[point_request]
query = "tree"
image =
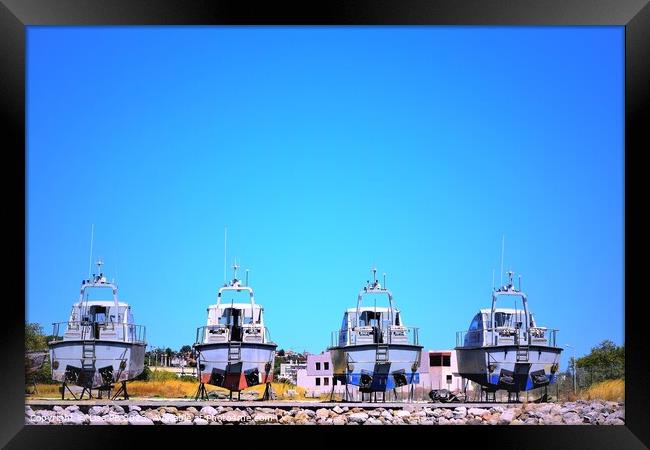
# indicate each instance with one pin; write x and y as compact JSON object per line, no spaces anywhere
{"x":35,"y":340}
{"x":186,"y":349}
{"x":606,"y":361}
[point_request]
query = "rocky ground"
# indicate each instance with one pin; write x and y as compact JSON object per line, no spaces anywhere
{"x":573,"y":413}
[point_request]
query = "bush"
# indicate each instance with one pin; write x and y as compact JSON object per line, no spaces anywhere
{"x":162,"y":375}
{"x":145,"y":375}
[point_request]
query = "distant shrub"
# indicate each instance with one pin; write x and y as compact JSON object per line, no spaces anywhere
{"x":162,"y":375}
{"x":145,"y":375}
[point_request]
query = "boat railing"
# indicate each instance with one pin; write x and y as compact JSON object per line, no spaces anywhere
{"x":112,"y":331}
{"x":364,"y":335}
{"x":202,"y":333}
{"x":507,"y":335}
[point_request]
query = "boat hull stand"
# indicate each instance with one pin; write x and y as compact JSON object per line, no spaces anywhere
{"x":95,"y":364}
{"x":235,"y":366}
{"x":376,"y":369}
{"x":507,"y":368}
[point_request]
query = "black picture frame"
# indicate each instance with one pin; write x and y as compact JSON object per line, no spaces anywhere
{"x":634,"y":15}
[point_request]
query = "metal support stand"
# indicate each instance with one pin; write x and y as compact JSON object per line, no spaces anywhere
{"x":65,"y":386}
{"x":121,"y":390}
{"x":83,"y":391}
{"x":201,"y":392}
{"x":267,"y":391}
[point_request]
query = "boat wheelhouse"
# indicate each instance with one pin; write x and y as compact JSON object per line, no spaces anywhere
{"x":234,"y":349}
{"x":373,"y":349}
{"x":505,"y":349}
{"x":100,"y":344}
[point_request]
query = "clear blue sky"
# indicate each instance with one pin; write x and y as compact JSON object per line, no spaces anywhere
{"x":325,"y":151}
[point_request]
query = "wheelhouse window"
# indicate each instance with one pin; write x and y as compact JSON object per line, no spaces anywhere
{"x":230,"y":317}
{"x":370,"y":319}
{"x":317,"y":381}
{"x":477,"y":323}
{"x":326,"y":365}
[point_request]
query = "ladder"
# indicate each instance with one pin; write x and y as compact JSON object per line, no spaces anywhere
{"x":234,"y":351}
{"x":88,"y":355}
{"x":522,"y":353}
{"x":382,"y":353}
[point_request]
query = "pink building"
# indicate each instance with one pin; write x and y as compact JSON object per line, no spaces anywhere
{"x":317,"y":377}
{"x":438,"y":370}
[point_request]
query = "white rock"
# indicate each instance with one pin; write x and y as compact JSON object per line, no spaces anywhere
{"x":339,"y":420}
{"x":98,"y":410}
{"x":134,"y":408}
{"x":322,"y":412}
{"x":117,"y":409}
{"x":460,"y":412}
{"x":478,"y":412}
{"x":208,"y":411}
{"x":97,"y":420}
{"x":200,"y":421}
{"x":337,"y":409}
{"x":572,"y":418}
{"x":373,"y":421}
{"x":116,"y":419}
{"x":358,"y":417}
{"x":168,"y":419}
{"x":401,"y":413}
{"x":507,"y":416}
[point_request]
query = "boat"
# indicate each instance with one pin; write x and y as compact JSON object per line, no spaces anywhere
{"x":234,"y":350}
{"x":100,"y":344}
{"x":505,"y":349}
{"x":373,"y":350}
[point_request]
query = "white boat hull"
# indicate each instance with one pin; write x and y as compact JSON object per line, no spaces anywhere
{"x":357,"y":365}
{"x":497,"y":367}
{"x":114,"y":361}
{"x":253,"y":367}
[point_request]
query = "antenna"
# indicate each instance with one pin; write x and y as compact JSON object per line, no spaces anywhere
{"x":246,"y":278}
{"x":374,"y":274}
{"x":384,"y":280}
{"x":235,"y":267}
{"x":503,"y":245}
{"x":492,"y":278}
{"x":225,"y":241}
{"x":90,"y":259}
{"x":519,"y":283}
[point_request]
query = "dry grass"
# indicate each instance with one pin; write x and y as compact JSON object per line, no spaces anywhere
{"x":47,"y":390}
{"x":613,"y":390}
{"x":175,"y":388}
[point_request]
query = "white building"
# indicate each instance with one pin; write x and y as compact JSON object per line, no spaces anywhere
{"x":289,"y":371}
